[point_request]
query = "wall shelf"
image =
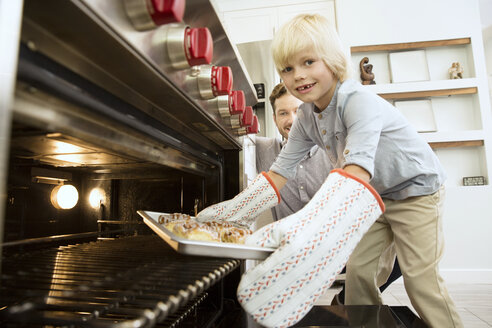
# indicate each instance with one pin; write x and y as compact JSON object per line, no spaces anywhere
{"x":460,"y":86}
{"x":410,"y":45}
{"x":428,"y":93}
{"x":455,"y":144}
{"x":453,"y":136}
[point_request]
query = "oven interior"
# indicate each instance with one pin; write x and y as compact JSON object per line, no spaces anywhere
{"x":97,"y":264}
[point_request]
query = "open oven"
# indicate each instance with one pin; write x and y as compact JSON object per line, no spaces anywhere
{"x":119,"y":106}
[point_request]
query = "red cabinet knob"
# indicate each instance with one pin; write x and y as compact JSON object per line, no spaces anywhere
{"x":199,"y":46}
{"x":188,"y":47}
{"x":247,"y":117}
{"x":214,"y":81}
{"x":231,"y":105}
{"x":221,"y":80}
{"x":252,"y":129}
{"x":148,"y":14}
{"x":166,"y":11}
{"x":238,"y":113}
{"x":237,"y":102}
{"x":255,"y":127}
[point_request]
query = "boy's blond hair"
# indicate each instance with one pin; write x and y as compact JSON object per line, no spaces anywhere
{"x":314,"y":32}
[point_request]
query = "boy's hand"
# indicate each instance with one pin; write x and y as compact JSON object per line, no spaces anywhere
{"x":243,"y":209}
{"x":313,"y":246}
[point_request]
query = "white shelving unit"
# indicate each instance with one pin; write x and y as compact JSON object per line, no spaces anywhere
{"x":439,"y":53}
{"x":459,"y":137}
{"x":467,"y":219}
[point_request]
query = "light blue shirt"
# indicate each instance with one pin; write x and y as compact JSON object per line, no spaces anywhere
{"x":358,"y":127}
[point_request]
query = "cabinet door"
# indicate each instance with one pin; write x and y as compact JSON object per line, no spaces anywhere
{"x":250,"y":25}
{"x":325,"y":8}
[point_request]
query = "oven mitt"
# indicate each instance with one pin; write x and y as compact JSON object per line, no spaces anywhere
{"x":243,"y":209}
{"x":313,"y":246}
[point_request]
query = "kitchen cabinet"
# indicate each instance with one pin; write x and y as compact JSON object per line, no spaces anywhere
{"x":258,"y":22}
{"x":458,"y":136}
{"x":324,"y":8}
{"x":250,"y":25}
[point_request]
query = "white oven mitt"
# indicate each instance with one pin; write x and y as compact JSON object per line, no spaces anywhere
{"x":313,"y":246}
{"x":243,"y":209}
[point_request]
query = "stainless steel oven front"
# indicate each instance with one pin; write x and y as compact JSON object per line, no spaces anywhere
{"x":116,"y":106}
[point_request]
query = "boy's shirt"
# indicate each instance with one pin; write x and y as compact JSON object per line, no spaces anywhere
{"x":311,"y":173}
{"x":359,"y":127}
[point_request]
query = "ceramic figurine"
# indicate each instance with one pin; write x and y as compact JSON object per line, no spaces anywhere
{"x":366,"y":74}
{"x":455,"y":71}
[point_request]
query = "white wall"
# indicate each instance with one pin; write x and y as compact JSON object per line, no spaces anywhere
{"x":468,"y":210}
{"x":487,"y":44}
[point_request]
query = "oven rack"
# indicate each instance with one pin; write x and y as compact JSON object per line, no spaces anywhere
{"x":135,"y":281}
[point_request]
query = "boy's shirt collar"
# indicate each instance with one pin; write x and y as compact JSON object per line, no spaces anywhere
{"x":333,"y":101}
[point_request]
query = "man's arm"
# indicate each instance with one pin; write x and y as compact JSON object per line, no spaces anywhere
{"x":278,"y":180}
{"x":358,"y":172}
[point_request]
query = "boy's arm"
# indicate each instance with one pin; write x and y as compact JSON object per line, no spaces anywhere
{"x":353,"y":169}
{"x":358,"y":172}
{"x":261,"y":194}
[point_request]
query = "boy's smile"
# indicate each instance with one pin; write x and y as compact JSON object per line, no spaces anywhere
{"x":305,"y":88}
{"x":308,"y":78}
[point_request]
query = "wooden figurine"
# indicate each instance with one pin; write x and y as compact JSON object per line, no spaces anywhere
{"x":366,"y":74}
{"x":455,"y":71}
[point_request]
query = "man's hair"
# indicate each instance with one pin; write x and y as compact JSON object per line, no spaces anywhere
{"x":311,"y":32}
{"x":277,"y":92}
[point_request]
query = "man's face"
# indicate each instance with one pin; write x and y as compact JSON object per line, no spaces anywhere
{"x":285,"y":113}
{"x":309,"y":79}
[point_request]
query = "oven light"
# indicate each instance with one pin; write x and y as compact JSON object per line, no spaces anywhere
{"x":67,"y":148}
{"x":64,"y":197}
{"x":96,"y":197}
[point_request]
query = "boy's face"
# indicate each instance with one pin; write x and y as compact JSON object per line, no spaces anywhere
{"x":309,"y":79}
{"x":285,"y":113}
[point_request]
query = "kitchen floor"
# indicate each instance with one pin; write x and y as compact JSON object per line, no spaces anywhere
{"x":474,"y":301}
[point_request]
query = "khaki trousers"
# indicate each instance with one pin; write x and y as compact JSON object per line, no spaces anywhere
{"x":414,"y":228}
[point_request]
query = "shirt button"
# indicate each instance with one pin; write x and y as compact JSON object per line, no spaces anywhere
{"x":324,"y":131}
{"x":301,"y":188}
{"x":327,"y":147}
{"x":300,"y":166}
{"x":320,"y":116}
{"x":346,"y":151}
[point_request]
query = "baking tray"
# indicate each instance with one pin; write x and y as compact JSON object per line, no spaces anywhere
{"x":202,"y":248}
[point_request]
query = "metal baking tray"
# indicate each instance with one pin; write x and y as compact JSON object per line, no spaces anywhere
{"x":202,"y":248}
